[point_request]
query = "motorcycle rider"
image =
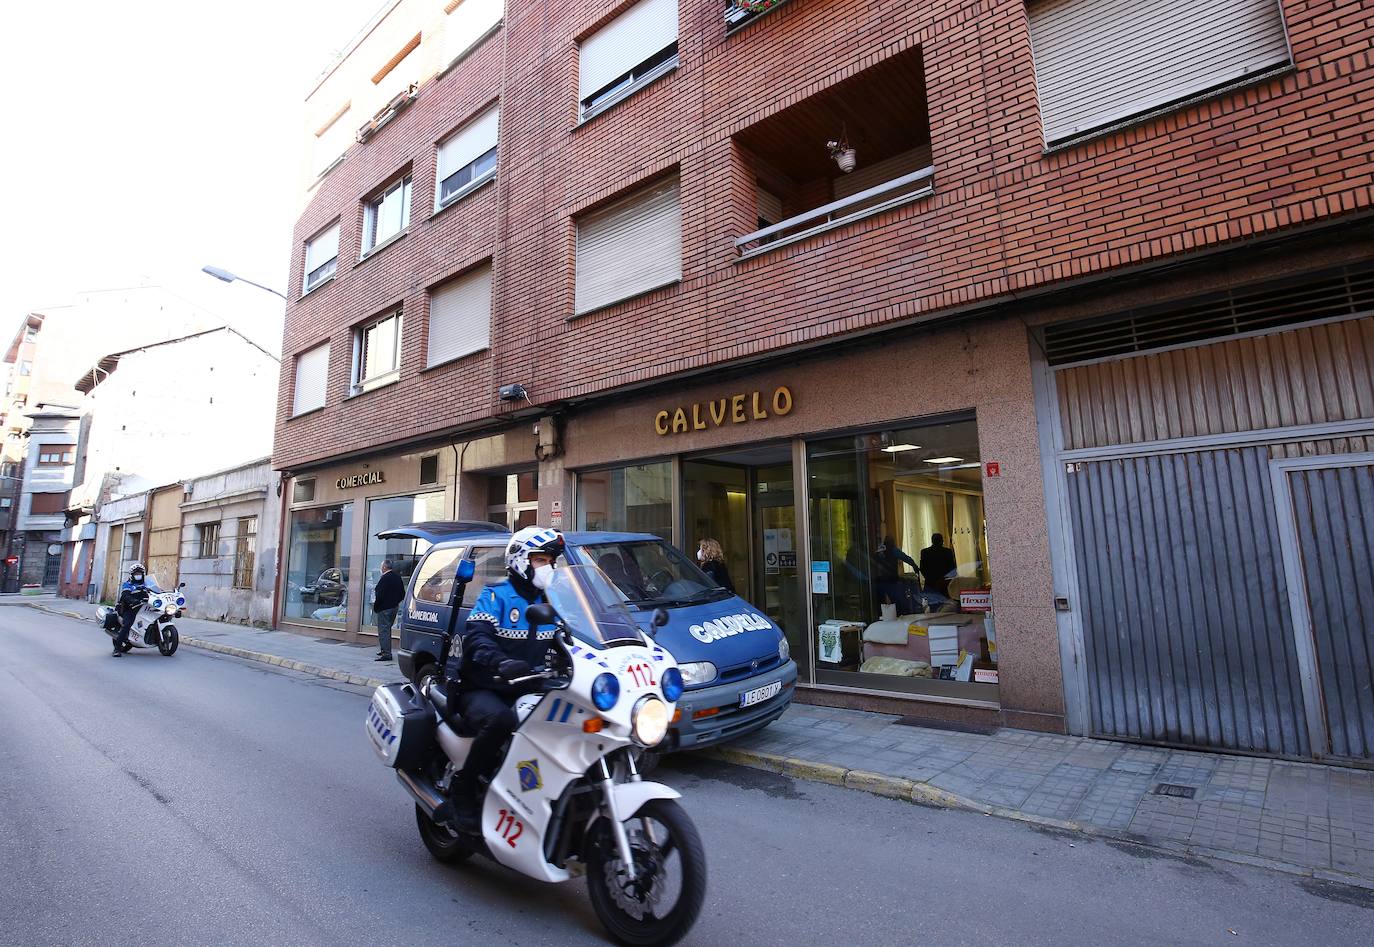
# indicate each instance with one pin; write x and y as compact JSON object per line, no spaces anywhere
{"x":498,"y":646}
{"x":132,"y":594}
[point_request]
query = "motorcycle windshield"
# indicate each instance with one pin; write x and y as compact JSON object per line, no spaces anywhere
{"x":591,"y":607}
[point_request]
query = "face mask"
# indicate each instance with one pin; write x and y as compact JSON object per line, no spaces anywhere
{"x":137,"y":578}
{"x":543,"y":575}
{"x":701,"y":556}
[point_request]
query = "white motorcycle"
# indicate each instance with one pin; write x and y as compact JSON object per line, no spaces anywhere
{"x":567,"y":798}
{"x":152,"y":626}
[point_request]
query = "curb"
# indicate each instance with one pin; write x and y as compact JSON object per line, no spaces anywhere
{"x":924,"y":794}
{"x":261,"y":657}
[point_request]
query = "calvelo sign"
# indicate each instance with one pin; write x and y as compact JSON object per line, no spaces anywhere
{"x":364,"y":479}
{"x":741,"y":408}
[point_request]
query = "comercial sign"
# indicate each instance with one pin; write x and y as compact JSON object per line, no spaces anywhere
{"x":361,"y":479}
{"x":975,"y":600}
{"x":740,"y":408}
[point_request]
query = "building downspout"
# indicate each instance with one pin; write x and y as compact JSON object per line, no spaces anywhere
{"x":277,"y":577}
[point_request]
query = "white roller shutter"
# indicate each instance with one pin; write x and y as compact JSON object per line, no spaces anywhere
{"x":460,"y":317}
{"x":468,"y":23}
{"x":1101,"y":61}
{"x":322,"y":249}
{"x":625,"y":42}
{"x":312,"y":372}
{"x":476,"y":139}
{"x":630,"y":247}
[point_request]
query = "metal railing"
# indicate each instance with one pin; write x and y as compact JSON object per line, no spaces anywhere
{"x":904,"y":189}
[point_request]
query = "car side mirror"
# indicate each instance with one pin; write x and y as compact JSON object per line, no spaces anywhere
{"x":541,"y":614}
{"x":466,"y":570}
{"x":660,"y":617}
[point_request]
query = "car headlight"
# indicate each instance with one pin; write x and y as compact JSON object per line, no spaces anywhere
{"x":784,"y":650}
{"x":649,"y":721}
{"x":697,"y":672}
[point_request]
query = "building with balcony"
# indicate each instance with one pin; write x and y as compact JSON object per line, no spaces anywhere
{"x":1082,"y":289}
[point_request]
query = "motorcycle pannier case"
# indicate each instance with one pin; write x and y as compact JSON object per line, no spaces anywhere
{"x":400,"y":723}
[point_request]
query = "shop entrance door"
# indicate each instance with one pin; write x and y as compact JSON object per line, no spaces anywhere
{"x":745,"y":501}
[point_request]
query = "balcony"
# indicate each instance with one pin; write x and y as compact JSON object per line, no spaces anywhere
{"x":855,"y":150}
{"x":740,"y":13}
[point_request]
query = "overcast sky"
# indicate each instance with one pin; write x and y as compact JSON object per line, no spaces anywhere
{"x":144,"y":139}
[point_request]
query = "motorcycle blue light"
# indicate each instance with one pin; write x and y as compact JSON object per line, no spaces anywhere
{"x":605,"y":691}
{"x":180,"y":601}
{"x":672,"y":685}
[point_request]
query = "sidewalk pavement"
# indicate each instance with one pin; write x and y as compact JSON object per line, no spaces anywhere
{"x":1302,"y":818}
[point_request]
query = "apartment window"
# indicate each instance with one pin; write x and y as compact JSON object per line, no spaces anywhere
{"x":245,"y":552}
{"x":467,"y":158}
{"x":387,"y":215}
{"x":429,"y":469}
{"x":321,"y":256}
{"x":30,"y":334}
{"x":377,"y":353}
{"x":460,"y":317}
{"x":331,"y":141}
{"x":312,"y":369}
{"x":303,"y":491}
{"x":25,"y":368}
{"x":468,"y":22}
{"x":56,"y":455}
{"x":46,"y":504}
{"x":133,"y":546}
{"x":630,"y":247}
{"x":1100,"y":62}
{"x":207,"y":536}
{"x":626,"y":55}
{"x":6,"y":503}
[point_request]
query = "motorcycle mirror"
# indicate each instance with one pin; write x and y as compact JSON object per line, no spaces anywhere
{"x":660,"y":617}
{"x":182,"y":585}
{"x":541,"y":614}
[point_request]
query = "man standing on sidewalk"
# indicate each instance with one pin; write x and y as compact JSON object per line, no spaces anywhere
{"x":388,"y":596}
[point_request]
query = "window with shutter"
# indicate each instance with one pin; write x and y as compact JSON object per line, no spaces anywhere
{"x":387,"y":215}
{"x":321,"y":257}
{"x":629,"y":248}
{"x":312,"y":369}
{"x":332,"y":141}
{"x":467,"y":158}
{"x":627,"y":54}
{"x":460,"y":317}
{"x":467,"y":24}
{"x":1099,"y":62}
{"x":376,"y":353}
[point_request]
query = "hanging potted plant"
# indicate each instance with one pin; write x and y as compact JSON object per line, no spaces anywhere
{"x":757,"y":6}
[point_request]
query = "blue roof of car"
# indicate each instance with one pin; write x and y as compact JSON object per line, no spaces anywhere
{"x":436,"y":532}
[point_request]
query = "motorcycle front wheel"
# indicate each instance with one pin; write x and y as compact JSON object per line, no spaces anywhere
{"x":662,"y":903}
{"x":168,"y":639}
{"x":444,"y":844}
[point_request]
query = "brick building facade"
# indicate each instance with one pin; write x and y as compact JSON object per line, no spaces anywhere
{"x":935,"y":318}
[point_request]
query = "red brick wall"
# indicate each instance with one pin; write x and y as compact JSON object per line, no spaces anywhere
{"x":1289,"y":151}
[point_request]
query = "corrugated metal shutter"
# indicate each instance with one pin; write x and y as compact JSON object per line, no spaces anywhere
{"x":630,"y":247}
{"x":625,"y":42}
{"x":322,"y":249}
{"x":468,"y":23}
{"x":1101,"y":61}
{"x":475,"y":139}
{"x":460,"y":317}
{"x":312,"y":371}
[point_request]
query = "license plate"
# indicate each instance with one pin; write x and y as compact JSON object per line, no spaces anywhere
{"x":759,"y":694}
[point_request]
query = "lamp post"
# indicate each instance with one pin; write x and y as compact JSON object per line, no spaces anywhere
{"x":226,"y":276}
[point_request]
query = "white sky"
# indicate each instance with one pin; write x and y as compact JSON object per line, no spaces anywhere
{"x":142,"y":140}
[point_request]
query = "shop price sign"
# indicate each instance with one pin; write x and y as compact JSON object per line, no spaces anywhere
{"x":975,"y":600}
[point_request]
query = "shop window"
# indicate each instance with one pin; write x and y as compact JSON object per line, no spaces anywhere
{"x":429,"y":469}
{"x":303,"y":491}
{"x":318,"y":564}
{"x":404,"y":554}
{"x":245,"y":552}
{"x":635,"y":499}
{"x":899,"y":569}
{"x":513,"y":499}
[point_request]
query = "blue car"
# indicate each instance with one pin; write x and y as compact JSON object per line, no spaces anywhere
{"x":735,"y":661}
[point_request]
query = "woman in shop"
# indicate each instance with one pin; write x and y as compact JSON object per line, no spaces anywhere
{"x":712,"y":560}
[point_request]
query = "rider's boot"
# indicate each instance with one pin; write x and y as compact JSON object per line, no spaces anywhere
{"x":467,"y":804}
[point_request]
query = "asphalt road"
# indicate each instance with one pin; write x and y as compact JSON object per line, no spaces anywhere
{"x":204,"y":800}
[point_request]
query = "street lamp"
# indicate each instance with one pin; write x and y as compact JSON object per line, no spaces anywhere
{"x":228,"y":277}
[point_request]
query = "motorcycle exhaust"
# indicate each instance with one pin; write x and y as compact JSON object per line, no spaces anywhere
{"x":426,"y":794}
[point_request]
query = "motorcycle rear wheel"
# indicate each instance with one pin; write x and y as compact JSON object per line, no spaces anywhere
{"x":169,"y":639}
{"x":443,"y":843}
{"x":617,"y":901}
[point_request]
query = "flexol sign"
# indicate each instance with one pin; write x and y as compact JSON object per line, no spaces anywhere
{"x":735,"y":409}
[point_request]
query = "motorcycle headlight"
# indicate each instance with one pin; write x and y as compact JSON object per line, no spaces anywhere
{"x":697,"y":672}
{"x":649,"y":721}
{"x":671,"y":682}
{"x":784,"y":650}
{"x":169,"y":609}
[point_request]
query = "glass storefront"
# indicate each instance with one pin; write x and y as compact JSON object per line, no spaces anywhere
{"x":636,"y":499}
{"x":389,"y":513}
{"x":318,"y":564}
{"x":513,"y":499}
{"x":900,"y":584}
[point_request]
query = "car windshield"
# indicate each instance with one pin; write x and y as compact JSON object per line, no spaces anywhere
{"x":591,"y":608}
{"x":650,"y":572}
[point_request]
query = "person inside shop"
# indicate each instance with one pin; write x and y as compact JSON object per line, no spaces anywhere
{"x":938,"y":565}
{"x":386,"y":598}
{"x":132,"y":594}
{"x":499,"y":646}
{"x":887,"y":575}
{"x":711,"y":558}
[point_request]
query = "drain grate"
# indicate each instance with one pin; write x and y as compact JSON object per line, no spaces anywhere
{"x":1174,"y":789}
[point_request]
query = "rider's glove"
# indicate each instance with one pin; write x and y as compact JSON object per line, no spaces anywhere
{"x":512,"y":668}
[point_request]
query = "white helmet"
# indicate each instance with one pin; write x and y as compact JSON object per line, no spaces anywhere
{"x":531,"y":539}
{"x":137,"y":567}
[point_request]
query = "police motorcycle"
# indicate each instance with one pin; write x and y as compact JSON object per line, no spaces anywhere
{"x":152,"y":626}
{"x":567,"y":799}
